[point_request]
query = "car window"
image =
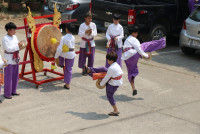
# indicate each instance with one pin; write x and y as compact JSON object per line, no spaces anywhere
{"x":195,"y":14}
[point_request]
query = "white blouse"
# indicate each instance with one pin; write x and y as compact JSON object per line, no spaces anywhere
{"x":69,"y":41}
{"x":83,"y":27}
{"x":113,"y":71}
{"x":135,"y":43}
{"x":10,"y":44}
{"x":115,"y":30}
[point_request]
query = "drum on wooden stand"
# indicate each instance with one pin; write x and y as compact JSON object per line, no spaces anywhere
{"x":43,"y":44}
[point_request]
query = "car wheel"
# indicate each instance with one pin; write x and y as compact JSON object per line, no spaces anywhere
{"x":188,"y":51}
{"x":158,"y":32}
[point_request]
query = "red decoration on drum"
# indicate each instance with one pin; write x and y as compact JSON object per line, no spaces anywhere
{"x":42,"y":41}
{"x":28,"y":54}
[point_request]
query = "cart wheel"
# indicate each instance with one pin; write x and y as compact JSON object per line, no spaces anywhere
{"x":37,"y":86}
{"x":45,"y":73}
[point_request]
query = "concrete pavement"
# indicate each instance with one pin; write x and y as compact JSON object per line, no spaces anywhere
{"x":168,"y":100}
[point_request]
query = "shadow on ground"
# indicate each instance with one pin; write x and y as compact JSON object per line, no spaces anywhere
{"x":46,"y":87}
{"x":122,"y":98}
{"x":191,"y":63}
{"x":177,"y":58}
{"x":89,"y":115}
{"x":75,"y":75}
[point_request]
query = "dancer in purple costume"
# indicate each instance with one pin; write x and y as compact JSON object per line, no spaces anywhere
{"x":114,"y":35}
{"x":68,"y":57}
{"x":11,"y":47}
{"x":87,"y":32}
{"x":133,"y":50}
{"x":112,"y":80}
{"x":191,"y":4}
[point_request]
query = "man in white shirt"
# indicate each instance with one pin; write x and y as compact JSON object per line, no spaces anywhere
{"x":133,"y":50}
{"x":114,"y":35}
{"x":66,"y":51}
{"x":87,"y":32}
{"x":2,"y":63}
{"x":11,"y":47}
{"x":112,"y":80}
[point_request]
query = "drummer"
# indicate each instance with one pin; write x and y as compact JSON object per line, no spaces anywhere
{"x":87,"y":32}
{"x":11,"y":47}
{"x":66,"y":50}
{"x":112,"y":80}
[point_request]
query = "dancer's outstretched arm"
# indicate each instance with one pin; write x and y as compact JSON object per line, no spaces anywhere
{"x":138,"y":48}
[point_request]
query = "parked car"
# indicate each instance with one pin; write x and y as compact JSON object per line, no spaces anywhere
{"x":190,"y":33}
{"x":69,"y":9}
{"x":156,"y":18}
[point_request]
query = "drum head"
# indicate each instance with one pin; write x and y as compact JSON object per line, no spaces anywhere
{"x":43,"y":44}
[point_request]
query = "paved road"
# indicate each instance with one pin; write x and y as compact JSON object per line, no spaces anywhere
{"x":168,"y":99}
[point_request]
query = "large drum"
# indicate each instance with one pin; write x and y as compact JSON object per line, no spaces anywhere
{"x":42,"y":41}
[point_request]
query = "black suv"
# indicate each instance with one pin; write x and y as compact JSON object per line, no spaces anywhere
{"x":156,"y":18}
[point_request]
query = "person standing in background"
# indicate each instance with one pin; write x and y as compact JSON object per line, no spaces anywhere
{"x":87,"y":32}
{"x":191,"y":4}
{"x":114,"y":35}
{"x":11,"y":47}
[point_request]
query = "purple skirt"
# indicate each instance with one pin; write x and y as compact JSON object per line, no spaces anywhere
{"x":119,"y":53}
{"x":191,"y":4}
{"x":131,"y":63}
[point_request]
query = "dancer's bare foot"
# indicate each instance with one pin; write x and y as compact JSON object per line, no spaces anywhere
{"x":84,"y":71}
{"x":133,"y":87}
{"x":66,"y":86}
{"x":134,"y":92}
{"x":87,"y":70}
{"x":114,"y":113}
{"x":15,"y":94}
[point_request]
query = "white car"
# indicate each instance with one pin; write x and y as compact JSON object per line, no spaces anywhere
{"x":190,"y":34}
